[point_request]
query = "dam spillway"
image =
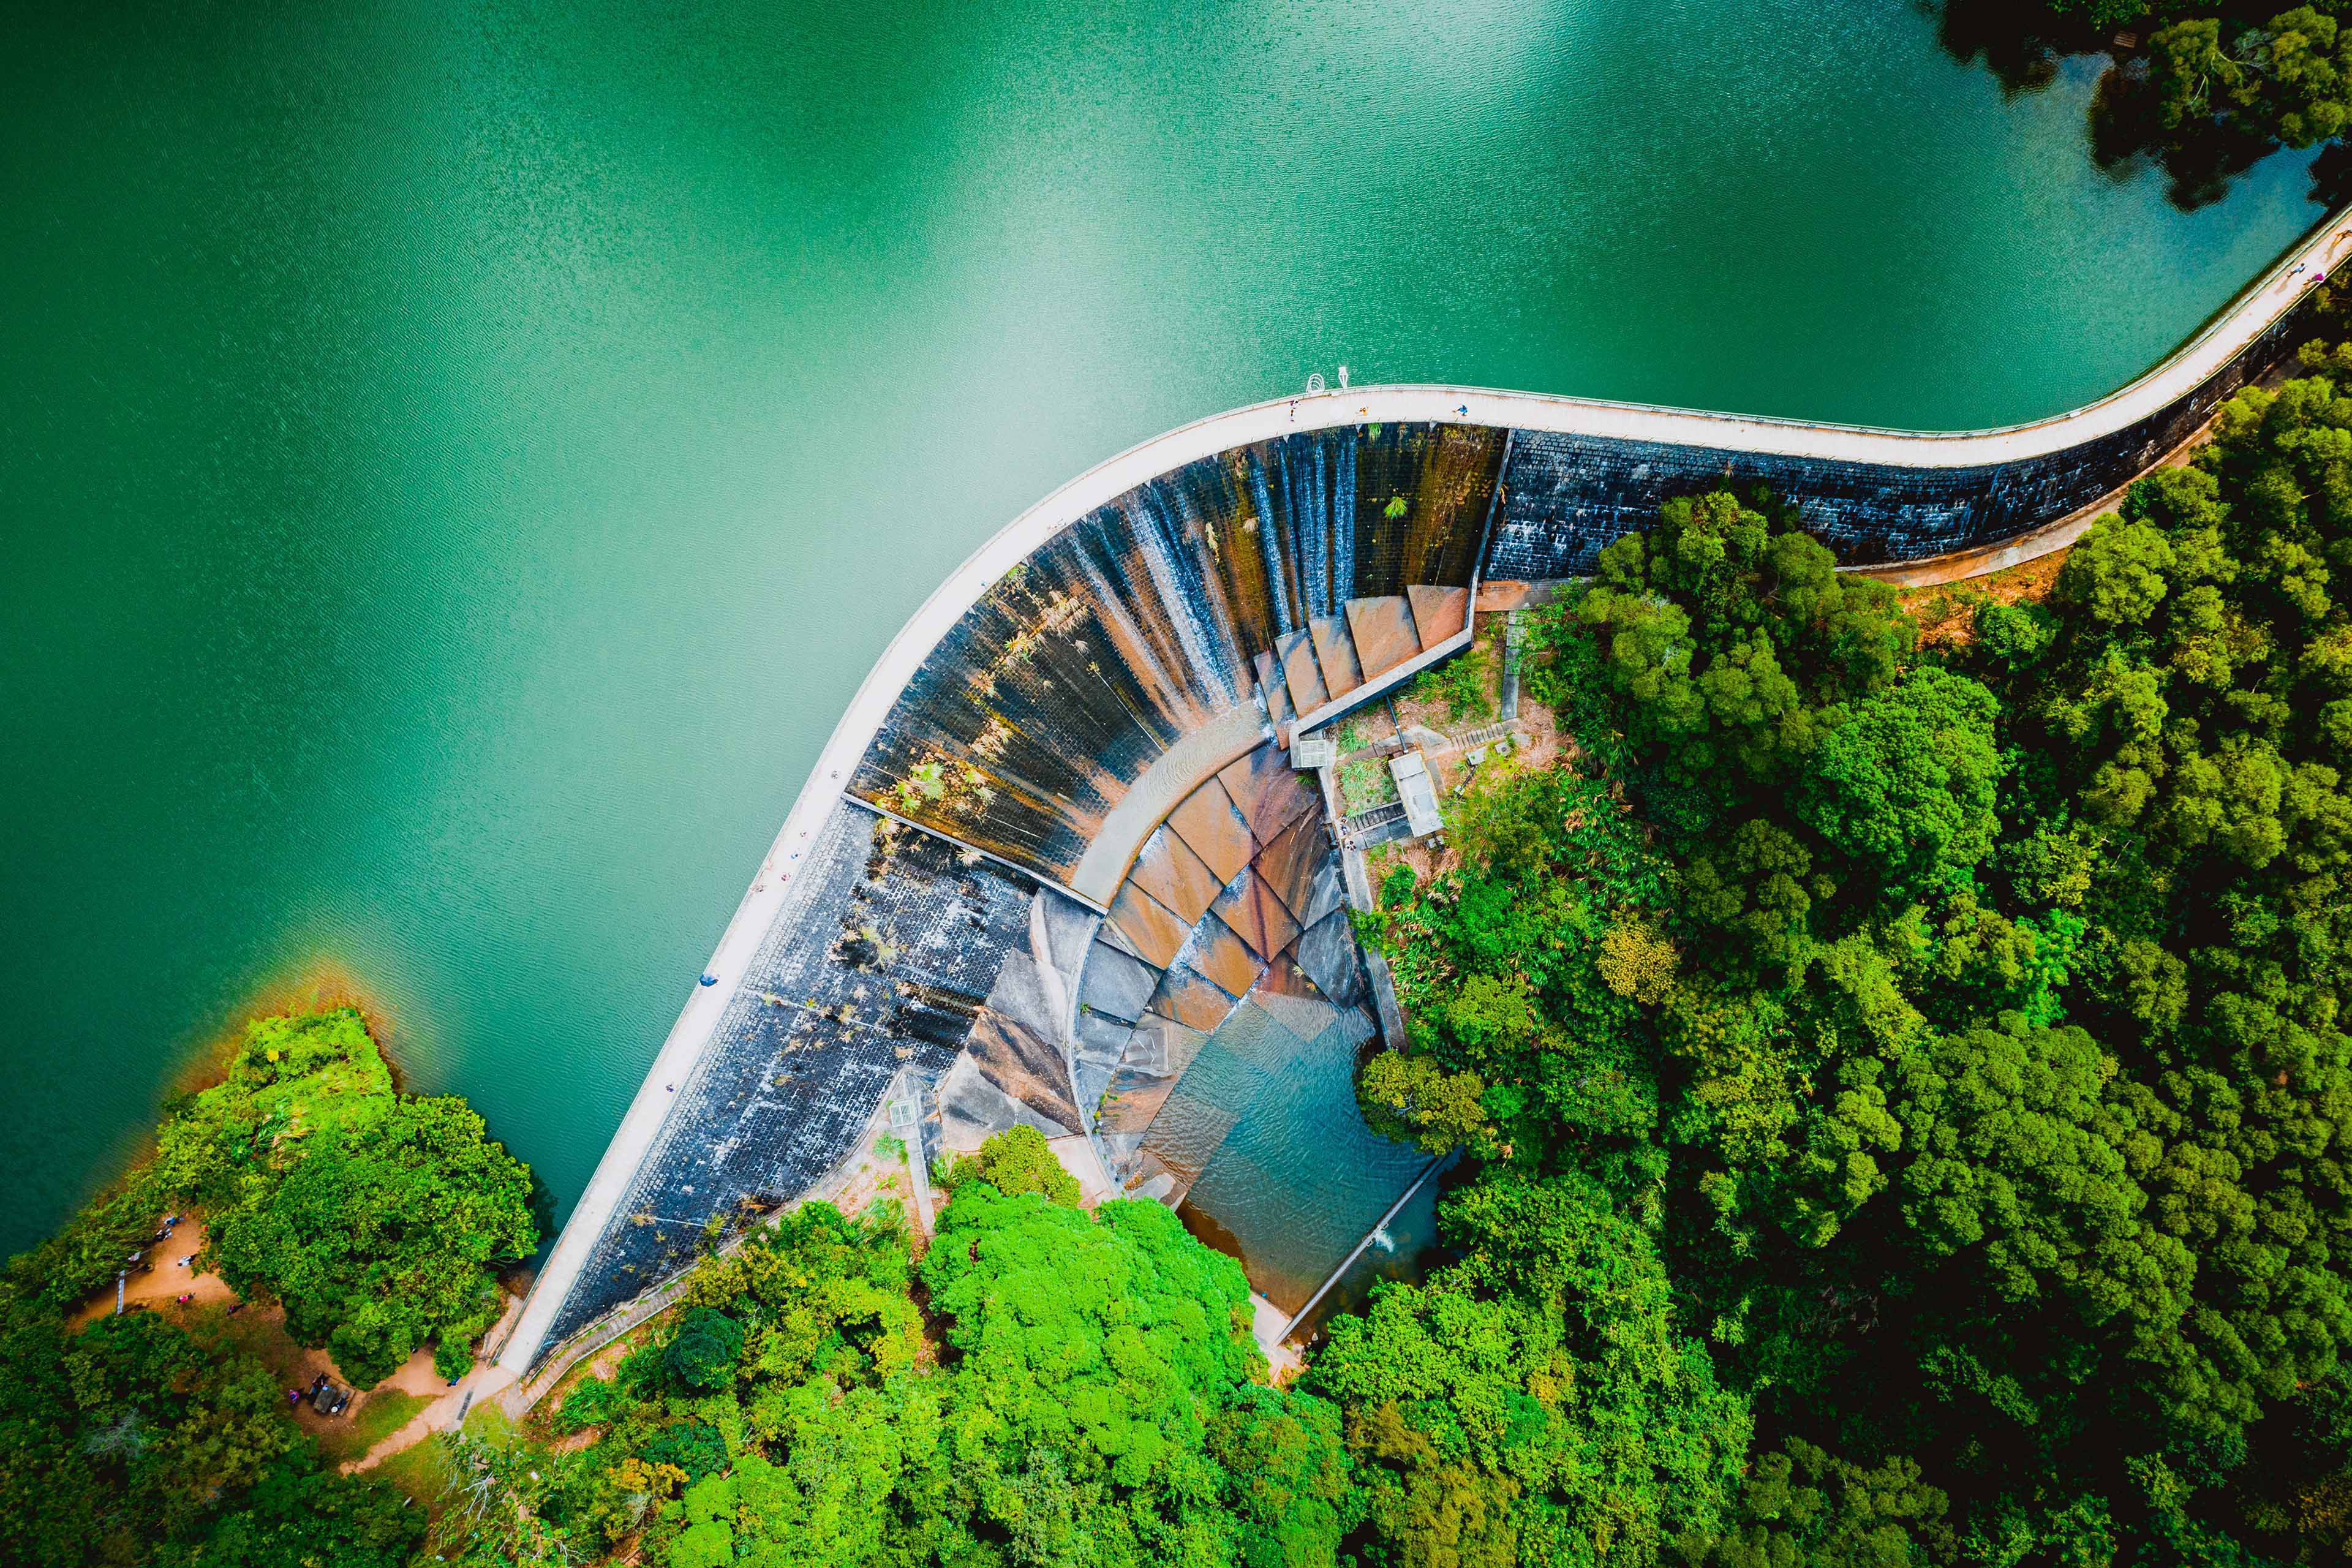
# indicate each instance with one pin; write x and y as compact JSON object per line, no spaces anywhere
{"x":1143,"y":622}
{"x":1053,"y":860}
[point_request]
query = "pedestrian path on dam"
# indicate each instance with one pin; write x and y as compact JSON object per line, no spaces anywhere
{"x":1054,"y":861}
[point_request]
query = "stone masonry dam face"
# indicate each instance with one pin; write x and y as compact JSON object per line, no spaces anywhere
{"x":1054,"y":869}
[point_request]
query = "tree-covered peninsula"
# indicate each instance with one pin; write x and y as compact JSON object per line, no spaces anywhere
{"x":367,"y":1223}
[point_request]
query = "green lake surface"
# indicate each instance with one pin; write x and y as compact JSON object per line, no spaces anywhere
{"x":456,"y":460}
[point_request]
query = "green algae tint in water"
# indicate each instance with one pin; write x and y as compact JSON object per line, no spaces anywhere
{"x":455,"y":463}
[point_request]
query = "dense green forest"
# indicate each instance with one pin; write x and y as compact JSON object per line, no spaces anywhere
{"x":1942,"y":1044}
{"x":1092,"y":1396}
{"x":376,"y":1220}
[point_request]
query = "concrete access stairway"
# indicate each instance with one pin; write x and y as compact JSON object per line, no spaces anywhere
{"x":1313,"y":676}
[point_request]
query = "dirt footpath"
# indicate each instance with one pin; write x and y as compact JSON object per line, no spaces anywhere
{"x":213,"y":1311}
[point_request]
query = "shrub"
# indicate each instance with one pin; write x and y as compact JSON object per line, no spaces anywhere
{"x":1016,"y":1161}
{"x":704,"y":1354}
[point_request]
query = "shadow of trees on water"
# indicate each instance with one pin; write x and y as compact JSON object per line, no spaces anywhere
{"x":2199,"y":91}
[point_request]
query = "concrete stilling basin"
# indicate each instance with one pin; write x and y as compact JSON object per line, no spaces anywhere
{"x":1053,"y":866}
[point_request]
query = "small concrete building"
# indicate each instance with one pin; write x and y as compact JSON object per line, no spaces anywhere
{"x":1418,"y":793}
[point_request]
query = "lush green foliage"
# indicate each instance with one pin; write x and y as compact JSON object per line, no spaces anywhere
{"x":1015,"y":1161}
{"x":137,"y":1439}
{"x":1097,"y":1401}
{"x":704,"y":1354}
{"x":1534,"y":1402}
{"x":1413,"y":1099}
{"x":133,"y":1441}
{"x":2207,"y":87}
{"x":378,"y":1220}
{"x":1800,"y":1508}
{"x":1951,"y":1033}
{"x":1108,"y":1341}
{"x":2227,"y":82}
{"x":1463,"y":686}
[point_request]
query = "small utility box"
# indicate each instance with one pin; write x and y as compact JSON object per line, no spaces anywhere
{"x":1315,"y":750}
{"x":1418,"y":793}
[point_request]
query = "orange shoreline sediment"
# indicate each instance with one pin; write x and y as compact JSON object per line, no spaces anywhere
{"x":318,"y":984}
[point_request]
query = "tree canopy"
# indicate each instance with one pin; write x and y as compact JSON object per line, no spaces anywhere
{"x":379,"y":1220}
{"x":1949,"y":1025}
{"x":2205,"y":88}
{"x":1095,"y":1399}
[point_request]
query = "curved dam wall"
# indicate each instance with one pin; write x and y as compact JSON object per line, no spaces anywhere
{"x":1004,"y":842}
{"x":1139,"y":623}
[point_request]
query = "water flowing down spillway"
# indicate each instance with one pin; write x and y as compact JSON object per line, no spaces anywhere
{"x":1147,"y":617}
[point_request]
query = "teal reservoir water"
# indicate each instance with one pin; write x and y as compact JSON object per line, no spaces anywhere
{"x":456,"y":460}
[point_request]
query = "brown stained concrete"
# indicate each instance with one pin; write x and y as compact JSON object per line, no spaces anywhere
{"x":1223,"y":956}
{"x":1386,"y":681}
{"x":1259,"y":918}
{"x":1155,"y":932}
{"x":1169,"y":871}
{"x":1383,"y":631}
{"x":1210,"y":823}
{"x":1437,"y":612}
{"x":1335,"y":654}
{"x":1267,"y":792}
{"x":1300,"y":674}
{"x":1288,"y":863}
{"x":1192,"y":1000}
{"x":1233,"y":733}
